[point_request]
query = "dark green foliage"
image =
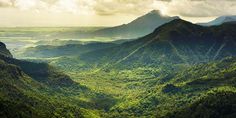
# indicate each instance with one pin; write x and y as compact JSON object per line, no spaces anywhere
{"x":214,"y":105}
{"x":9,"y":70}
{"x":20,"y":98}
{"x":170,"y":88}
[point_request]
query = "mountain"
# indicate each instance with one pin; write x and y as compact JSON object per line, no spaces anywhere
{"x":179,"y":70}
{"x":177,"y":42}
{"x":137,"y":28}
{"x":193,"y":57}
{"x":220,"y":20}
{"x":141,"y":26}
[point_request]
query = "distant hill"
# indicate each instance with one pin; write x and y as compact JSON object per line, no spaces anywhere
{"x":220,"y":20}
{"x":137,"y":28}
{"x":47,"y":51}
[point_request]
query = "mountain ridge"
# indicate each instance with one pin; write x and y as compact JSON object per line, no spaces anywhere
{"x":176,"y":41}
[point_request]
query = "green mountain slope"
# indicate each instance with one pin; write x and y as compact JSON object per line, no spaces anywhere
{"x":177,"y":42}
{"x":20,"y":97}
{"x":30,"y":89}
{"x":159,"y":96}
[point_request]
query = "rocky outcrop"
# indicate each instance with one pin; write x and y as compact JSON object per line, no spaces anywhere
{"x":4,"y":51}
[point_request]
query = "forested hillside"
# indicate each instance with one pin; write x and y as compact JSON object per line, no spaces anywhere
{"x":180,"y":70}
{"x":31,"y":89}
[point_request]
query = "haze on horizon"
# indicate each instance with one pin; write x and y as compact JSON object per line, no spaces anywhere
{"x":16,"y":13}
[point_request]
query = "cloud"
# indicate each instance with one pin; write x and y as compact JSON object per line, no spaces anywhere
{"x":100,"y":7}
{"x":30,"y":4}
{"x":65,"y":5}
{"x":185,"y":8}
{"x":6,"y":3}
{"x":72,"y":6}
{"x":197,"y":8}
{"x":110,"y":7}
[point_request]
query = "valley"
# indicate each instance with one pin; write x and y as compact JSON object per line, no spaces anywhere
{"x":178,"y":70}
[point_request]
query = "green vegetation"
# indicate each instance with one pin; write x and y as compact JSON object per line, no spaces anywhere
{"x":31,"y":89}
{"x":21,"y":97}
{"x":155,"y":92}
{"x":219,"y":104}
{"x":180,"y":70}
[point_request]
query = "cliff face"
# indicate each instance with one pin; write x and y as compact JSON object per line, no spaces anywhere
{"x":4,"y":51}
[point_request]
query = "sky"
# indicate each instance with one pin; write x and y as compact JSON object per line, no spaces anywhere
{"x":16,"y":13}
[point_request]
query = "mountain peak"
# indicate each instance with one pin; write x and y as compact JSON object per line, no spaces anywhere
{"x":175,"y":24}
{"x":177,"y":21}
{"x":176,"y":30}
{"x":139,"y":27}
